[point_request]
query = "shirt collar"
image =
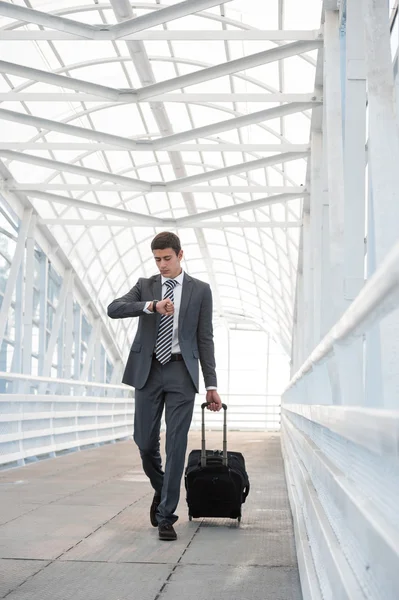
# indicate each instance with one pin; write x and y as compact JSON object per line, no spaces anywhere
{"x":178,"y":279}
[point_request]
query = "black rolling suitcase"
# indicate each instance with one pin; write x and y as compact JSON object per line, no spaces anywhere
{"x":216,"y":481}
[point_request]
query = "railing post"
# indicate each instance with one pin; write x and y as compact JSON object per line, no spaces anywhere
{"x":28,"y":302}
{"x":351,"y":375}
{"x":383,"y":153}
{"x":334,"y":160}
{"x":316,"y":232}
{"x":44,"y":266}
{"x":373,"y":394}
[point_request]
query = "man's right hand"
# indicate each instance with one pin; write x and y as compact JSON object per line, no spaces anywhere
{"x":165,"y":307}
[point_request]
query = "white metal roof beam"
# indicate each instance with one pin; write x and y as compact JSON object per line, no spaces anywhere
{"x":28,"y":15}
{"x":138,"y":218}
{"x":112,"y":32}
{"x":72,"y":83}
{"x":160,"y":143}
{"x":236,"y":208}
{"x":228,"y":68}
{"x":155,"y":89}
{"x":227,"y":125}
{"x":147,"y":186}
{"x":125,"y":98}
{"x":201,"y":225}
{"x":84,"y":171}
{"x":98,"y":146}
{"x":233,"y":169}
{"x":82,"y":132}
{"x":32,"y":187}
{"x":273,"y":35}
{"x":161,"y":16}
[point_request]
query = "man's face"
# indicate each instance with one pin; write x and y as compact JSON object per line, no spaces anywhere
{"x":168,"y":262}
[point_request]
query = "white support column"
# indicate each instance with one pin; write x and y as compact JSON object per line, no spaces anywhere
{"x":43,"y":312}
{"x":14,"y":270}
{"x":373,"y":372}
{"x":59,"y":315}
{"x":28,"y":297}
{"x":316,"y":230}
{"x":59,"y":388}
{"x":354,"y":176}
{"x":384,"y":160}
{"x":117,"y":373}
{"x":298,"y":322}
{"x":98,"y":363}
{"x":94,"y":337}
{"x":3,"y":367}
{"x":78,"y":340}
{"x":16,"y":365}
{"x":354,"y":152}
{"x":325,"y":281}
{"x":69,"y":332}
{"x":116,"y":377}
{"x":334,"y":160}
{"x":308,"y":299}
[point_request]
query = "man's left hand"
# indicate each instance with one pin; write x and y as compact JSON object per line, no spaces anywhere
{"x":214,"y":400}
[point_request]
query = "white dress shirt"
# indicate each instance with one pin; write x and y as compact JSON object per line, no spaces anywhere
{"x":177,"y":292}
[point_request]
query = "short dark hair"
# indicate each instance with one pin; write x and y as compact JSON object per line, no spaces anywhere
{"x":166,"y":239}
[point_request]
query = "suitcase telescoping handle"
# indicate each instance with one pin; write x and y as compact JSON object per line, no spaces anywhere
{"x":203,"y":450}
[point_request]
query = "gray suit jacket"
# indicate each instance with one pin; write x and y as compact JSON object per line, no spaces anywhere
{"x":195,"y":329}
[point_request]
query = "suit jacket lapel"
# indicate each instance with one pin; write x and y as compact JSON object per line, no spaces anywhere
{"x":185,"y":298}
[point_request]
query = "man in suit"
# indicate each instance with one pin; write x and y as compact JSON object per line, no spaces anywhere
{"x":174,"y":331}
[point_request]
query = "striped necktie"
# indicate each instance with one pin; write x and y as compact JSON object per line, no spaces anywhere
{"x":163,"y":350}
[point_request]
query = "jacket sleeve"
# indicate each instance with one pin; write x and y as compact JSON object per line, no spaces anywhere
{"x":129,"y":305}
{"x":206,"y":346}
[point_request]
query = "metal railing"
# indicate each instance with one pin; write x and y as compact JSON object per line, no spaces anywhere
{"x":341,"y":460}
{"x":74,"y":414}
{"x":34,"y":424}
{"x":246,"y":412}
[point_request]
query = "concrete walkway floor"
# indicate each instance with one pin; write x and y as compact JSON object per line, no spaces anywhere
{"x":77,"y":528}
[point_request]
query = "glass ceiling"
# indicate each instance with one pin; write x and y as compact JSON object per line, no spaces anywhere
{"x":113,"y":140}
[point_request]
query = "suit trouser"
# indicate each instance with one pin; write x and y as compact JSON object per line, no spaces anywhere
{"x":168,"y":386}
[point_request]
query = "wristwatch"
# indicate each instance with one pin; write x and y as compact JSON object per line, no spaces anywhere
{"x":154,"y":305}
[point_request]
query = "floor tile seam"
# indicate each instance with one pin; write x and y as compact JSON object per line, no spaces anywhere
{"x":288,"y":566}
{"x":28,"y":578}
{"x":178,"y":565}
{"x":112,"y":562}
{"x":19,"y":516}
{"x":174,"y":565}
{"x":163,"y":586}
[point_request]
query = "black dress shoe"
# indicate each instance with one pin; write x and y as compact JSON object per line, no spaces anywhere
{"x":153,"y":510}
{"x":166,"y":532}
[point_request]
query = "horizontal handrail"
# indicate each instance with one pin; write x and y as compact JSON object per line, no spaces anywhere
{"x":378,"y":297}
{"x":39,"y":379}
{"x":63,"y":399}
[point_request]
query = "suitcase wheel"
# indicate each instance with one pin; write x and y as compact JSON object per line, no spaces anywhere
{"x":239,"y":519}
{"x":190,"y":518}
